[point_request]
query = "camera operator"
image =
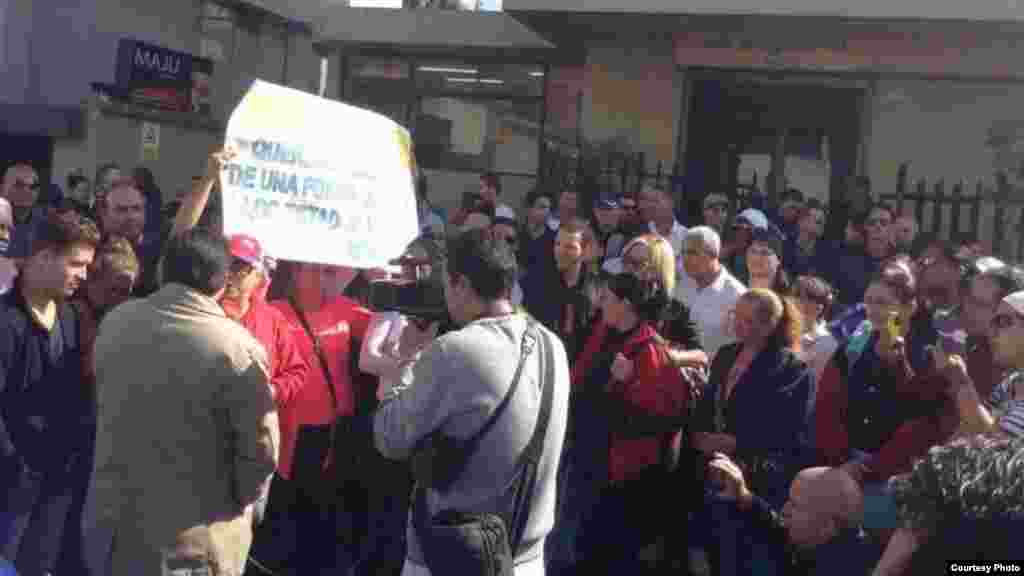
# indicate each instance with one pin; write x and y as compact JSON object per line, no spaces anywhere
{"x":453,"y":386}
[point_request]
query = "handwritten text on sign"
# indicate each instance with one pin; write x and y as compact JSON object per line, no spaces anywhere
{"x":317,"y":199}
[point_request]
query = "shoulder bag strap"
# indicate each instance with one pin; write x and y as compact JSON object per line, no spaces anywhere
{"x":319,"y":352}
{"x":469,"y":447}
{"x":529,"y":460}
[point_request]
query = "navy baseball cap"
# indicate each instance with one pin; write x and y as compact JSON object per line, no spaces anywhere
{"x":607,"y":202}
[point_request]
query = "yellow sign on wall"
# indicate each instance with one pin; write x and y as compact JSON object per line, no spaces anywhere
{"x":150,"y":142}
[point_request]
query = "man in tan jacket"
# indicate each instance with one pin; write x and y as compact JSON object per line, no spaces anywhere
{"x":187,"y":437}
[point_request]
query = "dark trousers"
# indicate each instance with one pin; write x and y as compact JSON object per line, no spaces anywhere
{"x":42,"y":523}
{"x":629,"y":517}
{"x":300,"y":535}
{"x":735,"y":546}
{"x":383,"y":528}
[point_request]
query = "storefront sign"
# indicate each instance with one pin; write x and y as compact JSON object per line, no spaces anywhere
{"x":150,"y":142}
{"x":160,"y":78}
{"x":318,"y":180}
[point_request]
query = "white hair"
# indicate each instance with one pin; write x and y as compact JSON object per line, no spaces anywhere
{"x":708,"y":238}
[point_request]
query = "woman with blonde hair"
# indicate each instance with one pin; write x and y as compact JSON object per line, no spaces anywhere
{"x":759,"y":405}
{"x":759,"y":411}
{"x":650,"y":257}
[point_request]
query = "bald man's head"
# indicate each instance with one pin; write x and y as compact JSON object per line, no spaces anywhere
{"x":822,"y":503}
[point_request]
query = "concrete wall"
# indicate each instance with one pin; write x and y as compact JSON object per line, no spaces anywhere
{"x":945,"y":130}
{"x":941,"y":128}
{"x":634,"y":95}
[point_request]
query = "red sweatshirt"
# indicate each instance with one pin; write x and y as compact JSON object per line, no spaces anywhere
{"x":336,"y":324}
{"x":288,"y":369}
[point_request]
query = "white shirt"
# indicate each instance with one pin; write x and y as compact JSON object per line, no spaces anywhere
{"x":504,"y":211}
{"x":711,"y":307}
{"x":676,"y":238}
{"x":377,"y":356}
{"x":554,"y":223}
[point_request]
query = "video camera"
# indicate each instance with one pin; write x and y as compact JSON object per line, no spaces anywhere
{"x":419,"y":297}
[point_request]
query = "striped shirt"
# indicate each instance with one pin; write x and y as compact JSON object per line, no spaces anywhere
{"x":1007,"y":403}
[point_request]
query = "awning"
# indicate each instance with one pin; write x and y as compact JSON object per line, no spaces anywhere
{"x":45,"y":120}
{"x":431,"y":30}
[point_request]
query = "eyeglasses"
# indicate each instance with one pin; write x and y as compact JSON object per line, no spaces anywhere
{"x":878,"y":222}
{"x":26,"y":185}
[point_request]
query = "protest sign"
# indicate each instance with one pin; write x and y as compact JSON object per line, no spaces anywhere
{"x":318,"y":180}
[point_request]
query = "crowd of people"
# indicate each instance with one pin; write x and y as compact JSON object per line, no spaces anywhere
{"x":622,"y":391}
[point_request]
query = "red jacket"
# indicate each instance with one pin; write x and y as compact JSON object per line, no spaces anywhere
{"x":336,"y":325}
{"x":288,"y":369}
{"x":648,"y":392}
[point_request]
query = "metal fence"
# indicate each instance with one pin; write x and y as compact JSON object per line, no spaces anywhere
{"x":989,"y":212}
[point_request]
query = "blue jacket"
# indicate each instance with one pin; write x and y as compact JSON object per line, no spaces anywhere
{"x":770,"y":412}
{"x":47,"y":429}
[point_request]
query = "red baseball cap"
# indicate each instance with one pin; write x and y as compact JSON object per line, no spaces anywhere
{"x":247,"y":249}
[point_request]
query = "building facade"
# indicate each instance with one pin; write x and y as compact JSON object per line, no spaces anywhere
{"x":59,"y":51}
{"x":818,"y":95}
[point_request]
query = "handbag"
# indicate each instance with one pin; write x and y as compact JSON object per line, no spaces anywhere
{"x":483,"y":544}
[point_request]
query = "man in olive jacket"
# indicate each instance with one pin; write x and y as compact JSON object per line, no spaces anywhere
{"x":188,"y":436}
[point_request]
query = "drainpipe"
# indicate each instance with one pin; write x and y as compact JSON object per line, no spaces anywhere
{"x":287,"y":51}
